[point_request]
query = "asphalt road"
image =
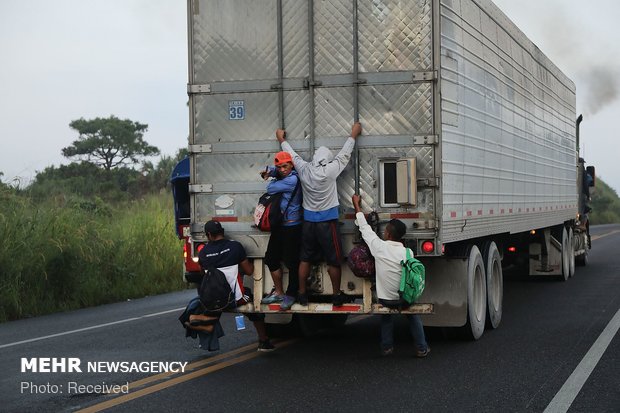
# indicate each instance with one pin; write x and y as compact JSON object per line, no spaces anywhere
{"x":556,"y":346}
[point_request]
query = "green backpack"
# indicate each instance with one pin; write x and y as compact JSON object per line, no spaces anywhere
{"x":412,"y":279}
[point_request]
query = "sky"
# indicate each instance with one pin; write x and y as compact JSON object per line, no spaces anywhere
{"x":62,"y":60}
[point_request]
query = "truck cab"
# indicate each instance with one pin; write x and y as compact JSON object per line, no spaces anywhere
{"x":179,"y":181}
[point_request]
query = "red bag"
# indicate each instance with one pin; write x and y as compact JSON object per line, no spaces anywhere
{"x":267,"y":214}
{"x":361,"y":262}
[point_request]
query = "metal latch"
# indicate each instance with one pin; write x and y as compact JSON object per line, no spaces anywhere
{"x":204,"y":148}
{"x":204,"y":88}
{"x":431,"y":75}
{"x":428,"y":182}
{"x":201,"y":188}
{"x":425,"y":140}
{"x":307,"y":83}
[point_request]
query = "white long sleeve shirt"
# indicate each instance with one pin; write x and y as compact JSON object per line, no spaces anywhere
{"x":388,"y":255}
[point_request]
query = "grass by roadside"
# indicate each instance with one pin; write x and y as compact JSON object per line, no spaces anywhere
{"x":68,"y":253}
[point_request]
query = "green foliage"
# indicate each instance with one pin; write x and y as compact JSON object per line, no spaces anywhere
{"x":71,"y":252}
{"x":90,"y":232}
{"x":158,"y":176}
{"x":87,"y":180}
{"x":109,"y":142}
{"x":605,"y":204}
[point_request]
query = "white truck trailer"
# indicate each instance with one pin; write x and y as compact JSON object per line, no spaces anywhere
{"x":469,"y":137}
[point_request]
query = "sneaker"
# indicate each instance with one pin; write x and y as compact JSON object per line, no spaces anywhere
{"x":287,"y":302}
{"x":387,"y":351}
{"x":302,"y":299}
{"x":265,"y":346}
{"x":421,"y":354}
{"x":339,"y":299}
{"x":272,"y":298}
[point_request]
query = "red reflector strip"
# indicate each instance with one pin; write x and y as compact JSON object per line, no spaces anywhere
{"x":405,"y":216}
{"x":347,"y":307}
{"x":225,"y":219}
{"x":415,"y":215}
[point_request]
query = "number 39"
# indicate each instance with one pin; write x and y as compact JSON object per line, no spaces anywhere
{"x":236,"y":112}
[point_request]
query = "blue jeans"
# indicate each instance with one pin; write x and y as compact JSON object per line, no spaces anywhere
{"x":415,"y":326}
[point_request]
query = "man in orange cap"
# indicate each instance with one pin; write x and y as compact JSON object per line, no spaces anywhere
{"x":285,"y":241}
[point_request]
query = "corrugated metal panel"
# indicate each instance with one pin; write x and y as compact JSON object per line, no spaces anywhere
{"x":395,"y":35}
{"x":507,"y":131}
{"x":234,"y":62}
{"x":234,"y":40}
{"x":508,"y":127}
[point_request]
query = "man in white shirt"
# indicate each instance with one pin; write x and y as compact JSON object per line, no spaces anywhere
{"x":388,"y":256}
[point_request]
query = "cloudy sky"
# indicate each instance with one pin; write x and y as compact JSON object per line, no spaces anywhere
{"x":66,"y":59}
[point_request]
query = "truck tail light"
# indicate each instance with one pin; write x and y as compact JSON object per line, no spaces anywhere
{"x":428,"y":247}
{"x":199,"y":247}
{"x":512,"y":249}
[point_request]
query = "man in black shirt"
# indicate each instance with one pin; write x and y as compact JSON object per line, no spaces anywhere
{"x":230,"y":257}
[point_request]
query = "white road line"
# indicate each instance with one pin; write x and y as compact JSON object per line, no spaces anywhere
{"x":565,"y":397}
{"x":79,"y":330}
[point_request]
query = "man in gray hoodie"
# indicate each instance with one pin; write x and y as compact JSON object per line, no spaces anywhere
{"x":321,"y":232}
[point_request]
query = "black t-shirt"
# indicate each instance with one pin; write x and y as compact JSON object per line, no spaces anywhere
{"x":226,"y":255}
{"x":221,"y":253}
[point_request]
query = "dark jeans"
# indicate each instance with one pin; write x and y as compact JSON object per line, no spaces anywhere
{"x":415,"y":326}
{"x":284,"y":246}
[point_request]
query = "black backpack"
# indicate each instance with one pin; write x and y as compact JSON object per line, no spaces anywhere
{"x":214,"y":291}
{"x":268,"y":214}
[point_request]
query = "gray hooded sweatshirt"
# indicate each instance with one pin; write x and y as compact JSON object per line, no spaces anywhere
{"x":318,"y":178}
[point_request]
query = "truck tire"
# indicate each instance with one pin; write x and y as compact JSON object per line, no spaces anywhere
{"x":476,"y":295}
{"x":571,"y":255}
{"x":566,"y":252}
{"x":495,"y":284}
{"x":582,"y":260}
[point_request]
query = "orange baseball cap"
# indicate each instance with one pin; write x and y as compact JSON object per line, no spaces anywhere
{"x":282,"y":157}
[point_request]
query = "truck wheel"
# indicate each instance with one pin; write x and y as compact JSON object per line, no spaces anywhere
{"x":582,"y":260}
{"x":571,"y":253}
{"x":476,"y":295}
{"x":566,"y":251}
{"x":495,"y":284}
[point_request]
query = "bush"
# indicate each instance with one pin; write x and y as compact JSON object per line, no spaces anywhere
{"x":605,"y":204}
{"x":70,"y":252}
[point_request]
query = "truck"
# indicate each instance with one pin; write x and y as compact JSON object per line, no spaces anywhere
{"x":470,"y":137}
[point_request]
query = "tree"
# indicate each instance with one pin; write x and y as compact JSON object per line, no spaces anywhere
{"x":109,"y":142}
